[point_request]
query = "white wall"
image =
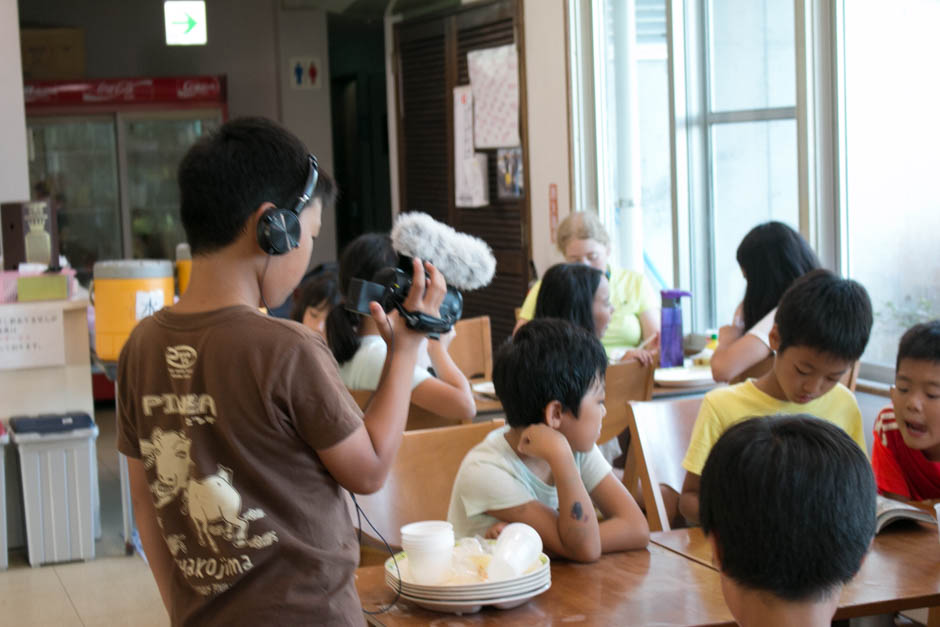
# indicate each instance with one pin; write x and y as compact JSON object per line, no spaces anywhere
{"x":127,"y":39}
{"x":302,"y":33}
{"x":547,"y":110}
{"x":248,"y":41}
{"x":14,"y":175}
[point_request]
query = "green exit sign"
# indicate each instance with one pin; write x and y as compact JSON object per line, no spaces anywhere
{"x":185,"y":22}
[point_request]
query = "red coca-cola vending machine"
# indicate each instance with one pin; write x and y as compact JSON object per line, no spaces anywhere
{"x":104,"y":153}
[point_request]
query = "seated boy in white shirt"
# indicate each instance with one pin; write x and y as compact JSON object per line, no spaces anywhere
{"x":543,"y":468}
{"x":788,"y":505}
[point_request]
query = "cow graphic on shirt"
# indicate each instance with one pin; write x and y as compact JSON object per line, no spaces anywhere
{"x":212,"y":503}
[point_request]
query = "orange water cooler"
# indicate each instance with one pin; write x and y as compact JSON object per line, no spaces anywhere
{"x":124,"y":292}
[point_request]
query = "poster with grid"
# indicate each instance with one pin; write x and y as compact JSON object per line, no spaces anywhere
{"x":494,"y":78}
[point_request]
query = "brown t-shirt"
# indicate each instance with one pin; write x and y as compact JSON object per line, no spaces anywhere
{"x":227,"y":409}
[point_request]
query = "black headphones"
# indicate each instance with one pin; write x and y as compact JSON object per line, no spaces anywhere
{"x":279,"y":229}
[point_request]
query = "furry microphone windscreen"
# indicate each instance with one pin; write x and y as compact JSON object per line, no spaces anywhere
{"x":466,"y":262}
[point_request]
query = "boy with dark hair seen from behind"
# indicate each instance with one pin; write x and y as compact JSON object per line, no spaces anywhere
{"x":820,"y":329}
{"x":239,"y":433}
{"x":788,"y":505}
{"x":544,"y":468}
{"x":906,"y":451}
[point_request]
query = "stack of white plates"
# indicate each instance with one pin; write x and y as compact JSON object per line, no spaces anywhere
{"x":469,"y":598}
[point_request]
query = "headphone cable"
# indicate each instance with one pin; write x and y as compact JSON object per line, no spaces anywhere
{"x":359,"y":516}
{"x":264,"y":271}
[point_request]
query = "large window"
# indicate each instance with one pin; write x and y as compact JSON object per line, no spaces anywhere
{"x":892,"y":136}
{"x":751,"y":141}
{"x":620,"y":128}
{"x":821,"y":115}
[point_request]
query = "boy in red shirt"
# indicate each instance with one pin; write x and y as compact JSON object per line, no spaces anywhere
{"x":906,"y":451}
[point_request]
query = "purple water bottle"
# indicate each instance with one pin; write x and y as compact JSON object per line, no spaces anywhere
{"x":670,"y":335}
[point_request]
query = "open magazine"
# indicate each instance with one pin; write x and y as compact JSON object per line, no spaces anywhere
{"x":888,"y":511}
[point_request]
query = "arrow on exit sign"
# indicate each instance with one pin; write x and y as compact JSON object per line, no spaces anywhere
{"x":185,"y":22}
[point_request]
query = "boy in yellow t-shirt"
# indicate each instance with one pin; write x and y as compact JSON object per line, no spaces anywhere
{"x":821,"y":327}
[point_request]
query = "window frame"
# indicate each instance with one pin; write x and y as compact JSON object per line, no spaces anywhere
{"x":820,"y":118}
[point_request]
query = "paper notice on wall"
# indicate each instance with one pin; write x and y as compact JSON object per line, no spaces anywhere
{"x":31,"y":337}
{"x":494,"y":77}
{"x":470,"y":181}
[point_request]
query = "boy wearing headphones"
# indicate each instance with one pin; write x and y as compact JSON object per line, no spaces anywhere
{"x":239,"y":431}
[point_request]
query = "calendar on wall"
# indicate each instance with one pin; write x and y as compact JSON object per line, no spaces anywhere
{"x":31,"y":337}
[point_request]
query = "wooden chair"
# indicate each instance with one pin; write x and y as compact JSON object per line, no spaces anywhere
{"x":660,"y":432}
{"x":626,"y":381}
{"x":472,"y":349}
{"x":418,"y":417}
{"x":849,"y":379}
{"x":421,"y":478}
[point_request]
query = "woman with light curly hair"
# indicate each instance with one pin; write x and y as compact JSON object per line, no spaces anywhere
{"x":635,"y":317}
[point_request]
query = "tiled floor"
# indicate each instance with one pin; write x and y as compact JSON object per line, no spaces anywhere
{"x":112,"y":589}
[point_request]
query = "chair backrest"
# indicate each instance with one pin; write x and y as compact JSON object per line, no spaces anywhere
{"x":849,"y":379}
{"x":418,"y":417}
{"x":421,"y":478}
{"x":660,"y":432}
{"x":472,"y":349}
{"x":625,"y":381}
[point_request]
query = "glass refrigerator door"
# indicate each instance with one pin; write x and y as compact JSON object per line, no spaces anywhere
{"x":154,"y":144}
{"x":73,"y":163}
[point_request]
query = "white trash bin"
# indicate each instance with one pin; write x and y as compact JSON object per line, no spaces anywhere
{"x":59,"y":470}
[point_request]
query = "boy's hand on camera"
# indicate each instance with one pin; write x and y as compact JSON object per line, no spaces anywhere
{"x":426,"y":294}
{"x":540,"y":440}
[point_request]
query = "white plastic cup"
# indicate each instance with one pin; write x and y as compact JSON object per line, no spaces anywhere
{"x":429,"y":546}
{"x":517,"y":547}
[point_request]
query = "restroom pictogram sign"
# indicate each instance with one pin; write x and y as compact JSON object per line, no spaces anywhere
{"x":304,"y":72}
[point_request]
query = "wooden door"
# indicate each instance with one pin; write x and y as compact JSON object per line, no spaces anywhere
{"x":431,"y":60}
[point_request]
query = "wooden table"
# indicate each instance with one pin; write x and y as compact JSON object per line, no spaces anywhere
{"x":662,"y":391}
{"x":901,"y":572}
{"x":487,"y":404}
{"x":654,"y":586}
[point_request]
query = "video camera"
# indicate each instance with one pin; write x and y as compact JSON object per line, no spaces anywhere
{"x":390,"y":286}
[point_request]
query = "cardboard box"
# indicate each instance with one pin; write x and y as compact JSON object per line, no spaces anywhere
{"x":52,"y":53}
{"x":42,"y":287}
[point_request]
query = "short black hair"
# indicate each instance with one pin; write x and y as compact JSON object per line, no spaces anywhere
{"x":318,"y":290}
{"x":790,"y":501}
{"x":226,"y":175}
{"x":567,"y":292}
{"x":922,"y":342}
{"x":772,"y":255}
{"x":547,"y":360}
{"x":827,"y":313}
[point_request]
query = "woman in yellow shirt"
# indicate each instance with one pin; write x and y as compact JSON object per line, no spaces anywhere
{"x":635,"y":319}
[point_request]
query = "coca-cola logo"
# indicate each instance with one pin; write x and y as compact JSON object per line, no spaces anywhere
{"x":116,"y":90}
{"x":197,"y":89}
{"x":38,"y":93}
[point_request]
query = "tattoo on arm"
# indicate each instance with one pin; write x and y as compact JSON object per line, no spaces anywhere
{"x":576,"y":511}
